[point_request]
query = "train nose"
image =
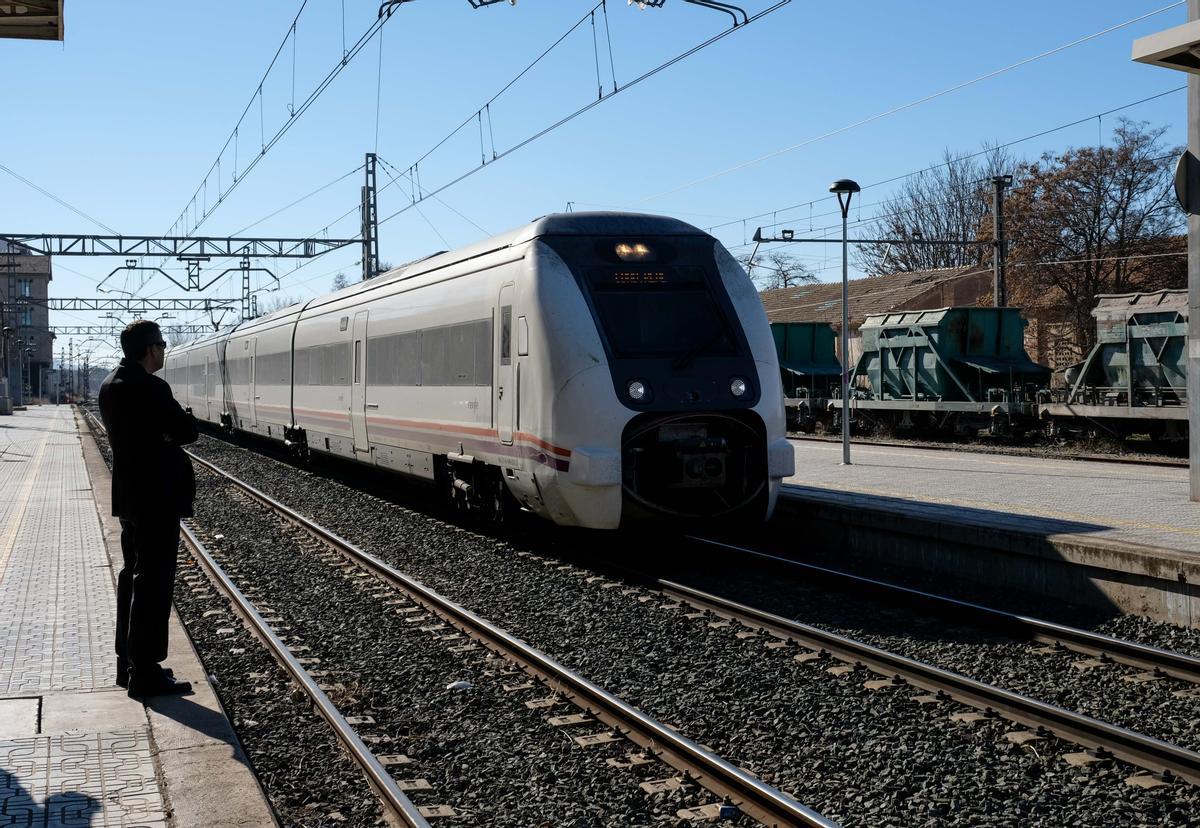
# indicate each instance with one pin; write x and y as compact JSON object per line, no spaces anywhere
{"x":704,"y":469}
{"x":694,"y":465}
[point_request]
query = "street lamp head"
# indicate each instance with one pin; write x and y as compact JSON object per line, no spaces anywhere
{"x":844,"y":187}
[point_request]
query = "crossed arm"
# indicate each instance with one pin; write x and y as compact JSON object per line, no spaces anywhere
{"x":178,"y":426}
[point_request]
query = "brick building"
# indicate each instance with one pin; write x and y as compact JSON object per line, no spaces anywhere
{"x":27,"y":343}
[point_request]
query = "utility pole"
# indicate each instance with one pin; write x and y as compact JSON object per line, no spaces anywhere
{"x":999,"y":243}
{"x":370,"y":223}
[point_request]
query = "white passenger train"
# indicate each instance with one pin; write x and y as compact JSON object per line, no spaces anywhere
{"x":594,"y":368}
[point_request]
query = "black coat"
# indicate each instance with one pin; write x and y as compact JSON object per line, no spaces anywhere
{"x":147,"y":429}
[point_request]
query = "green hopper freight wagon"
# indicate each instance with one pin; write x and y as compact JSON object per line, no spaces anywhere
{"x":958,"y":368}
{"x":1134,"y":381}
{"x":809,"y":369}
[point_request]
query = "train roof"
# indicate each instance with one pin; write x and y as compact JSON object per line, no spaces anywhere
{"x":554,"y":224}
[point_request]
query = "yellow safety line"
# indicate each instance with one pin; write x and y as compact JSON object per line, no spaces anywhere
{"x":9,"y":538}
{"x":1095,"y":520}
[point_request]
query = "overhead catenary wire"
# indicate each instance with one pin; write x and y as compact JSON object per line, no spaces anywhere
{"x":57,"y":199}
{"x":295,"y":115}
{"x":912,"y":104}
{"x":581,"y":110}
{"x":289,"y":35}
{"x":986,"y":151}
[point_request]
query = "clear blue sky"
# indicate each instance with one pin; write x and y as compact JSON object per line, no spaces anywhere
{"x":123,"y":119}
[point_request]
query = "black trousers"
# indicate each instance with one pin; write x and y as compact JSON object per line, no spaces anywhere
{"x":149,"y":548}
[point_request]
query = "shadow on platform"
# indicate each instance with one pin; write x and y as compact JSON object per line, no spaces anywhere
{"x":64,"y":809}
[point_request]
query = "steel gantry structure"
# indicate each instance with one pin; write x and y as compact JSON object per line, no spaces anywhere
{"x":113,"y":330}
{"x":179,"y":247}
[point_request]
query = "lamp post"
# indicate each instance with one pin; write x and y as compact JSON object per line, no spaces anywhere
{"x":845,"y":189}
{"x":6,"y":401}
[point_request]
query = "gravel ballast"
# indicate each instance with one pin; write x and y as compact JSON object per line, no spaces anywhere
{"x":1111,"y":692}
{"x":307,"y":777}
{"x":432,"y":695}
{"x":862,"y":757}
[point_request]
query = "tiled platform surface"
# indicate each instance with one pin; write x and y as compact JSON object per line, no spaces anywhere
{"x":57,"y":606}
{"x":74,"y":749}
{"x":1145,"y":505}
{"x":96,"y":779}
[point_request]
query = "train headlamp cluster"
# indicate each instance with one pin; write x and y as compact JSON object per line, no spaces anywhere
{"x":637,"y":390}
{"x":634,"y":252}
{"x":738,"y":387}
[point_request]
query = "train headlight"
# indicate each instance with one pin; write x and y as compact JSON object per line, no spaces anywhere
{"x":637,"y":390}
{"x":634,"y":252}
{"x":737,"y":387}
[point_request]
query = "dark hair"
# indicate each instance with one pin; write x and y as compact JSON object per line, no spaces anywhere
{"x":138,"y":336}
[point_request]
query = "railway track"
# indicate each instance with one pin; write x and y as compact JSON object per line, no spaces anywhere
{"x":1158,"y":661}
{"x":1046,"y":454}
{"x":811,"y":671}
{"x":1164,"y":759}
{"x":737,"y":791}
{"x":396,"y":803}
{"x":728,"y":782}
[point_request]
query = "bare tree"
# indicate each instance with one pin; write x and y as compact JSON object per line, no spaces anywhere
{"x":1096,"y":220}
{"x":274,"y":302}
{"x":340,"y":281}
{"x":776,"y":269}
{"x":949,"y":201}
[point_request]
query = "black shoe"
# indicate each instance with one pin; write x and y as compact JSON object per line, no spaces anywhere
{"x":163,"y":685}
{"x":123,"y":672}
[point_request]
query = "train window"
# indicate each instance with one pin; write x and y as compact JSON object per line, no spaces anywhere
{"x":643,"y":323}
{"x":522,"y":336}
{"x":300,"y":367}
{"x":357,"y":361}
{"x":506,"y":335}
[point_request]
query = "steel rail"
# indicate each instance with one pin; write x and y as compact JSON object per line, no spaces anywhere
{"x":752,"y":796}
{"x":1141,"y":750}
{"x":403,"y":811}
{"x":1161,"y":661}
{"x":394,"y":800}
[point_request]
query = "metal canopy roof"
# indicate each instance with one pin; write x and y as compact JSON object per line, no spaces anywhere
{"x":31,"y":19}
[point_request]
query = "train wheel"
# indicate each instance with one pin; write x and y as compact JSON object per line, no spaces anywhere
{"x":477,"y":491}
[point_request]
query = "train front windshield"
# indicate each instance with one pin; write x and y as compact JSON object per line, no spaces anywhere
{"x":659,"y":311}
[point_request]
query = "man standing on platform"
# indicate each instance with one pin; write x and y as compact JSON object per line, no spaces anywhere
{"x":152,"y":488}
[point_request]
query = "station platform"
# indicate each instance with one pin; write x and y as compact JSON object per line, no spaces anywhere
{"x":75,"y":750}
{"x":1117,"y":501}
{"x":1131,"y":528}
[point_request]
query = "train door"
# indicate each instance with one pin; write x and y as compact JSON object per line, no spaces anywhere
{"x":250,"y":379}
{"x":506,"y":392}
{"x":358,"y":383}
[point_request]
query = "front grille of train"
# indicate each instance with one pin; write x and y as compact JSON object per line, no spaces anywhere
{"x":695,"y":465}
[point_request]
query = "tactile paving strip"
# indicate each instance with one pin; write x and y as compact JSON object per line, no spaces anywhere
{"x":94,"y":780}
{"x":57,"y":607}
